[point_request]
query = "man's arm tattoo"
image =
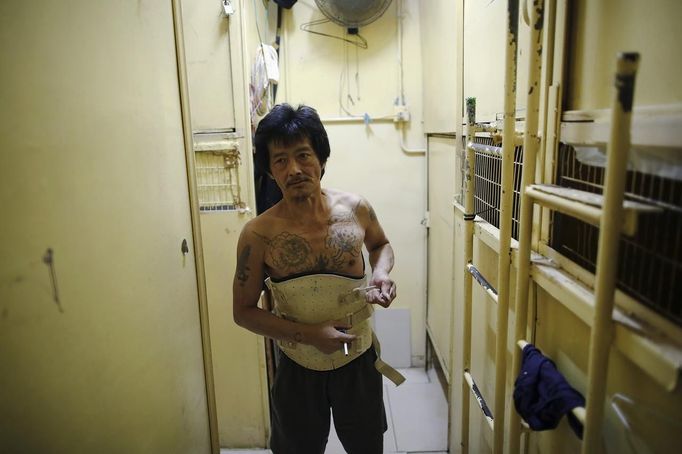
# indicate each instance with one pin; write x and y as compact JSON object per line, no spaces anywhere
{"x":242,"y":268}
{"x":372,"y":214}
{"x":365,"y":203}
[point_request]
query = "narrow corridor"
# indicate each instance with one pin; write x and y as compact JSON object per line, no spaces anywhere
{"x":417,"y":417}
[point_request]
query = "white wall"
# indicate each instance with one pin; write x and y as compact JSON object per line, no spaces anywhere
{"x":485,"y":28}
{"x":439,"y":46}
{"x":604,"y":28}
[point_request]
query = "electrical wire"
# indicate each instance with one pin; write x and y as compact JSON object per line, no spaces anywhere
{"x":360,"y":42}
{"x":401,"y":85}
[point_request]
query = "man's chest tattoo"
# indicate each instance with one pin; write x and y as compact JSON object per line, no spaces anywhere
{"x":337,"y":250}
{"x":289,"y":251}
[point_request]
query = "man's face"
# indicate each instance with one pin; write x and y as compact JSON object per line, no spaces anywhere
{"x":295,"y":168}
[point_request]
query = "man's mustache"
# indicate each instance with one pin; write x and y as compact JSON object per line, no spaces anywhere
{"x":296,"y":181}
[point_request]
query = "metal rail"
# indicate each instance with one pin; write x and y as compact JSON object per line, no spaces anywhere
{"x":506,"y":211}
{"x":501,"y":296}
{"x":531,"y":144}
{"x":489,"y":289}
{"x":601,"y":335}
{"x":610,"y":218}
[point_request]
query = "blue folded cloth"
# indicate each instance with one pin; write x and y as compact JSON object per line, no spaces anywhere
{"x":542,"y":395}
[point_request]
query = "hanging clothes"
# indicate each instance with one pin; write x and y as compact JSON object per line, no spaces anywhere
{"x":267,"y":192}
{"x":542,"y":395}
{"x":264,"y":76}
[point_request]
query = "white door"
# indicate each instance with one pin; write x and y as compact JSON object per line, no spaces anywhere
{"x":217,"y":97}
{"x":100,"y":350}
{"x":441,"y":188}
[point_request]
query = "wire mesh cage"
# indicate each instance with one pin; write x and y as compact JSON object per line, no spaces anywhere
{"x":487,"y":183}
{"x":649,"y":263}
{"x":217,"y":180}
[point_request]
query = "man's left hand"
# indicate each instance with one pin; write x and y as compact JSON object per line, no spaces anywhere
{"x":385,"y":292}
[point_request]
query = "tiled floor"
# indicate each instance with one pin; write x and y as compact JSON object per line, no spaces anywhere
{"x":417,"y":417}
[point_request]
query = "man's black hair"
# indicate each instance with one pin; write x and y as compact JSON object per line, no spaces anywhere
{"x":284,"y":125}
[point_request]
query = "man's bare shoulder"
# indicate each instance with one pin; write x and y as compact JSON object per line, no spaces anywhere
{"x":262,"y":226}
{"x":346,"y":199}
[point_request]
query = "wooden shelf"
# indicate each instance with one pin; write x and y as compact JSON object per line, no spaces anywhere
{"x":586,"y":206}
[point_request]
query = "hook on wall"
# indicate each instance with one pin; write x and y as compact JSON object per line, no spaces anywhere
{"x":48,"y":259}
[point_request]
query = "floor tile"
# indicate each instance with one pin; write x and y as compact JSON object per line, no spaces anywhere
{"x":416,"y":413}
{"x":420,"y":413}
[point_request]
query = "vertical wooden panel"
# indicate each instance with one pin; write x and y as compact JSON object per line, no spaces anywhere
{"x":93,"y":166}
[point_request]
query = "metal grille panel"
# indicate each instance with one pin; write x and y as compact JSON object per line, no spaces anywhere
{"x":650,"y":263}
{"x":218,"y":187}
{"x":487,"y":179}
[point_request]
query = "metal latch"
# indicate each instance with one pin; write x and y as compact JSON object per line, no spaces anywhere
{"x":228,"y":9}
{"x":426,"y":221}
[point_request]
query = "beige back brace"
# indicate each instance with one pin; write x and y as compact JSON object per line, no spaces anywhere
{"x":318,"y":298}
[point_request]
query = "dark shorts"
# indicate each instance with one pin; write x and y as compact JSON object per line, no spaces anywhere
{"x":302,"y":399}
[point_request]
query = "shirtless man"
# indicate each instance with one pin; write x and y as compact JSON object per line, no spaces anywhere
{"x":311,"y":241}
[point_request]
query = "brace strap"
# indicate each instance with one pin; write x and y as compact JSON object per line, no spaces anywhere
{"x":383,"y":368}
{"x":357,"y":316}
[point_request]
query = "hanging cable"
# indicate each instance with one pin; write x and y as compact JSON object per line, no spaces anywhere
{"x":400,"y":101}
{"x":360,"y":42}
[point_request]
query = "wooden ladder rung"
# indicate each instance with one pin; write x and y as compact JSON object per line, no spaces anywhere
{"x":586,"y":206}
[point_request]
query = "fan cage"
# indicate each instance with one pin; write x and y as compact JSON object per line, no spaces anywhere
{"x":353,"y":13}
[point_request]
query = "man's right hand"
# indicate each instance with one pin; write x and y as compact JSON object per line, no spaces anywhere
{"x":329,"y":336}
